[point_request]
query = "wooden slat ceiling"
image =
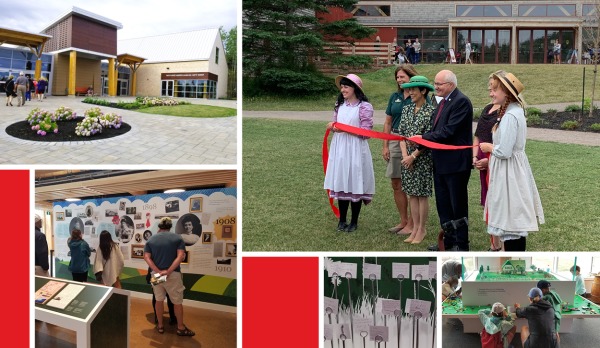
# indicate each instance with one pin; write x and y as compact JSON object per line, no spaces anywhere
{"x":129,"y":184}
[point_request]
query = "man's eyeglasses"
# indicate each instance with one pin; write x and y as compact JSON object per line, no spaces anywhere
{"x":438,"y":84}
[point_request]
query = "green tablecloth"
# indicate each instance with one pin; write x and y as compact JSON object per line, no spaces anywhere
{"x":580,"y":307}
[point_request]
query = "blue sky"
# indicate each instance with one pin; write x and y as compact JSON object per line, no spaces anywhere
{"x":139,"y":18}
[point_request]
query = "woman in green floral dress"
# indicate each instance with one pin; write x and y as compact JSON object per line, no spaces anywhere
{"x":417,"y":165}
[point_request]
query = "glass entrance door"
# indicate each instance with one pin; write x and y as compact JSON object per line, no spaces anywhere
{"x":167,"y":88}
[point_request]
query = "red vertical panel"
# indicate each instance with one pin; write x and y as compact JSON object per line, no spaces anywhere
{"x":17,"y":234}
{"x":280,"y":302}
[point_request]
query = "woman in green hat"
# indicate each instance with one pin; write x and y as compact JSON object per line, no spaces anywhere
{"x":417,"y":165}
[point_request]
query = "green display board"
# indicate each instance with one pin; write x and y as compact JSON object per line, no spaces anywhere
{"x":504,"y":277}
{"x":87,"y":299}
{"x":580,"y":307}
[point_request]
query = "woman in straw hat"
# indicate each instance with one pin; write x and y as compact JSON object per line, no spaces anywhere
{"x":513,"y":203}
{"x":417,"y":165}
{"x":350,"y":178}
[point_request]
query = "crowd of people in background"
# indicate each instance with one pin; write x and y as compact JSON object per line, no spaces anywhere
{"x":24,"y":87}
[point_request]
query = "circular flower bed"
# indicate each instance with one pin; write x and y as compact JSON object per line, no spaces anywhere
{"x":42,"y":125}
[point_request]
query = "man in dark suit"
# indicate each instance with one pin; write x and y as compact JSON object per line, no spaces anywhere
{"x":452,"y":125}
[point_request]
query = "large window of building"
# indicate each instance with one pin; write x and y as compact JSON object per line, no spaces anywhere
{"x":433,"y":42}
{"x":539,"y":10}
{"x":536,"y":45}
{"x":487,"y":45}
{"x":484,"y":11}
{"x":189,"y":89}
{"x":371,"y":10}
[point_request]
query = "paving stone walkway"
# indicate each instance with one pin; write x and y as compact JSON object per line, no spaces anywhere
{"x":543,"y":134}
{"x":153,"y":140}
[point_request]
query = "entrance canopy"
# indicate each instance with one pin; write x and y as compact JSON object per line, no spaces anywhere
{"x":133,"y":62}
{"x":35,"y":42}
{"x":21,"y":38}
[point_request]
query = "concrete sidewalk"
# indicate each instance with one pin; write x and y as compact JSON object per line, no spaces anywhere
{"x":153,"y":139}
{"x":543,"y":134}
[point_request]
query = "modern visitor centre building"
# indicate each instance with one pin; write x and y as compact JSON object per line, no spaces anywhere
{"x":80,"y":50}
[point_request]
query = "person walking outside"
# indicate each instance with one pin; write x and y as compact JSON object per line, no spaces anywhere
{"x":80,"y":256}
{"x":392,"y":153}
{"x":109,"y":261}
{"x":10,"y":90}
{"x":468,"y":53}
{"x":513,"y":205}
{"x":452,"y":125}
{"x":349,"y":177}
{"x":41,"y":249}
{"x":417,"y":49}
{"x":163,"y":253}
{"x":22,"y":85}
{"x":41,"y":88}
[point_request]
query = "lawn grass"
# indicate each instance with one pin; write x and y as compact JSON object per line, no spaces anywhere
{"x":286,"y":209}
{"x":190,"y":110}
{"x":544,"y":84}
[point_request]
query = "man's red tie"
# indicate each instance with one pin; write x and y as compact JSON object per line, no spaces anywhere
{"x":439,"y":111}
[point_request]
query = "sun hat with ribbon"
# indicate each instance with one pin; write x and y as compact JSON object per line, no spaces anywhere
{"x":418,"y":81}
{"x":354,"y":78}
{"x":513,"y":85}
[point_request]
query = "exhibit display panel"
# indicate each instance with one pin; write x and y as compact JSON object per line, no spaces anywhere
{"x":98,"y":314}
{"x":205,"y":219}
{"x":379,"y":301}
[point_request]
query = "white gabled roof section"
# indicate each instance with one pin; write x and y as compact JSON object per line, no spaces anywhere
{"x":177,"y":47}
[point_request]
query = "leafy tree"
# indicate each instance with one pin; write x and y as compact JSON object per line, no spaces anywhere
{"x":230,"y":45}
{"x":281,"y":37}
{"x":592,"y":31}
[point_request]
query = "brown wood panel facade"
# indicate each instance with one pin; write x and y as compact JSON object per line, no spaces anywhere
{"x":93,"y":36}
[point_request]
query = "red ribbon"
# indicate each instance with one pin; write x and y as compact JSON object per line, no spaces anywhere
{"x":378,"y":135}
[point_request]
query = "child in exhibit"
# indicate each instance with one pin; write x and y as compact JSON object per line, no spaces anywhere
{"x":498,"y":326}
{"x":350,"y":177}
{"x":80,"y":256}
{"x":579,"y":284}
{"x":109,"y":261}
{"x":449,"y":288}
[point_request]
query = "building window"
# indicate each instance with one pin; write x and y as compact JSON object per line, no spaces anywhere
{"x":546,"y":10}
{"x":371,"y":11}
{"x":189,"y":89}
{"x":433,"y":42}
{"x":217,"y":56}
{"x":588,"y":10}
{"x":484,"y":11}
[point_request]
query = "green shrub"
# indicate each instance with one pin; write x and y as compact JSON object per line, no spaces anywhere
{"x":573,"y":108}
{"x":280,"y":81}
{"x":571,"y":125}
{"x":351,"y":62}
{"x":534,"y":120}
{"x":534,"y":111}
{"x":595,"y":127}
{"x":587,"y":102}
{"x":552,"y":111}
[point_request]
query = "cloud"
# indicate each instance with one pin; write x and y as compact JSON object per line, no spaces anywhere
{"x":139,"y":19}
